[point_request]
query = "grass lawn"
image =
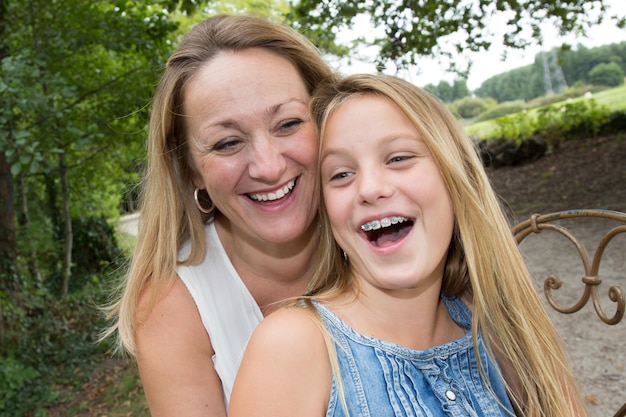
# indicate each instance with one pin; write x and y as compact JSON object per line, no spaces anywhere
{"x":613,"y":99}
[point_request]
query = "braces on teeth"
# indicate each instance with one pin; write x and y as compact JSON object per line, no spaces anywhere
{"x":384,"y":222}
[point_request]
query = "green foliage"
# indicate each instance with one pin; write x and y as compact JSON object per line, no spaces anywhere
{"x":75,"y":82}
{"x":572,"y":119}
{"x":449,"y":93}
{"x":95,"y":244}
{"x":577,"y":64}
{"x":521,"y":83}
{"x":413,"y":28}
{"x":556,"y":123}
{"x":606,"y":101}
{"x":501,"y":110}
{"x":49,"y":344}
{"x":571,"y":93}
{"x":609,"y":74}
{"x":516,"y":127}
{"x":471,"y":107}
{"x":15,"y":378}
{"x":95,"y":250}
{"x":574,"y":65}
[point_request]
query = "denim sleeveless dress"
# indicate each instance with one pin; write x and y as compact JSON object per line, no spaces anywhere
{"x":385,"y":379}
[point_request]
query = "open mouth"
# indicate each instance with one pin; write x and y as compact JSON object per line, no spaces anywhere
{"x":387,"y":230}
{"x":277,"y":195}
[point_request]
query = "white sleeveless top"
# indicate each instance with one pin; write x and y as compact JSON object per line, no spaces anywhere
{"x":228,"y":311}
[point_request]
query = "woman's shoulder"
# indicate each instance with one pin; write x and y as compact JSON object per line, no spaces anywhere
{"x":167,"y":310}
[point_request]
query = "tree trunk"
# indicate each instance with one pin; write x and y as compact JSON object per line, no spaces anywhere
{"x":67,"y":223}
{"x":8,"y":244}
{"x":25,"y":226}
{"x":9,"y":283}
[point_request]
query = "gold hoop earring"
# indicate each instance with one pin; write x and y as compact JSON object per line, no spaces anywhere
{"x":202,"y":209}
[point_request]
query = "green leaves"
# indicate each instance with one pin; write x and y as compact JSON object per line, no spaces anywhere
{"x":408,"y":29}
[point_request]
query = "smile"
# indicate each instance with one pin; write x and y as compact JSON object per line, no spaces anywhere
{"x":387,"y":231}
{"x":382,"y":223}
{"x":280,"y":193}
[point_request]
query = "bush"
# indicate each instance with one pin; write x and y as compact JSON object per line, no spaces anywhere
{"x":95,"y":250}
{"x":576,"y":91}
{"x":516,"y":127}
{"x":50,"y":343}
{"x":15,"y":378}
{"x":470,"y":107}
{"x":501,"y":110}
{"x":570,"y":120}
{"x":608,"y":74}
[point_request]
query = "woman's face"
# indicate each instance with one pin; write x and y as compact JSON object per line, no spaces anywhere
{"x":388,"y":205}
{"x":253,"y":143}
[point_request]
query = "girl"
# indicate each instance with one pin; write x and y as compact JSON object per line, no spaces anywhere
{"x":421,"y":303}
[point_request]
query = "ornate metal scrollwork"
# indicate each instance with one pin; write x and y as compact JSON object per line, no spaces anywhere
{"x":591,"y":280}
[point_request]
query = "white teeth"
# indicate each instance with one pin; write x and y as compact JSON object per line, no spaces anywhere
{"x":275,"y":195}
{"x":384,"y":222}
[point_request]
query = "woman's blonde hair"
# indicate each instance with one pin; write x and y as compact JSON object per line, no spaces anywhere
{"x":483,"y":260}
{"x":169,"y":214}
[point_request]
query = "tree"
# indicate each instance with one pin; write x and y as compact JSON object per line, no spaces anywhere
{"x":73,"y":77}
{"x":528,"y":82}
{"x":608,"y":74}
{"x":413,"y":28}
{"x":449,"y":93}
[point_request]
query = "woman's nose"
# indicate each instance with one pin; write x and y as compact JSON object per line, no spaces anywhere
{"x":267,"y":162}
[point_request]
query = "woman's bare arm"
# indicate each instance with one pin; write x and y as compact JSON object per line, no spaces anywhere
{"x":175,"y":359}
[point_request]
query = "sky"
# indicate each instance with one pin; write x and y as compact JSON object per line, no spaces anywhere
{"x":489,"y":63}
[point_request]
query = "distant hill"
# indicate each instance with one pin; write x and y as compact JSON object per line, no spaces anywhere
{"x":552,"y":71}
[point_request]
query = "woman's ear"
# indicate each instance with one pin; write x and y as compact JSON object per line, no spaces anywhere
{"x":198,"y":181}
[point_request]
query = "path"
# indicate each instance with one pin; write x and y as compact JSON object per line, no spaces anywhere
{"x":597,"y":350}
{"x":128,"y":224}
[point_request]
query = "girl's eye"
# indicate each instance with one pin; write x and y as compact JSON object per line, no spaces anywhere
{"x":340,"y":175}
{"x":288,"y":126}
{"x":399,"y":158}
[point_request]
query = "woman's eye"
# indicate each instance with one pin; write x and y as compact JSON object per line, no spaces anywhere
{"x":226,"y":144}
{"x":288,"y":126}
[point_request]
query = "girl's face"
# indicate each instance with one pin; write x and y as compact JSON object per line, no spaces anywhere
{"x":387,"y":202}
{"x":253,"y":144}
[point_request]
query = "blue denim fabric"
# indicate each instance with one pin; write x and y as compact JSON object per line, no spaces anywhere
{"x":384,"y":379}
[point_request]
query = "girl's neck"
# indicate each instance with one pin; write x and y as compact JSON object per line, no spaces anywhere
{"x":418,"y":322}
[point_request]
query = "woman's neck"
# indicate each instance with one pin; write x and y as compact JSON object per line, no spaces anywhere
{"x":272,"y":272}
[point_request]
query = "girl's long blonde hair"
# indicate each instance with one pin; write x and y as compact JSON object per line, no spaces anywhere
{"x":483,"y":259}
{"x":169,"y":215}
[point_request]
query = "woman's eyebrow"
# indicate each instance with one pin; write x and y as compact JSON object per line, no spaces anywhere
{"x":272,"y":110}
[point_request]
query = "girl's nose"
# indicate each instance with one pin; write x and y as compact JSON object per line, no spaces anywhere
{"x":373,"y":186}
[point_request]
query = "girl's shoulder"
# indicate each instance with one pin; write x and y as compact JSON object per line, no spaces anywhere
{"x":293,"y":325}
{"x":285,"y":370}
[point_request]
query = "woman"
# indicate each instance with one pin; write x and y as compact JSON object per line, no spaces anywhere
{"x":228,"y":208}
{"x":421,"y":303}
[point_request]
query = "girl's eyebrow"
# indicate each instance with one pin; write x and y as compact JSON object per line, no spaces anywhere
{"x":337,"y":151}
